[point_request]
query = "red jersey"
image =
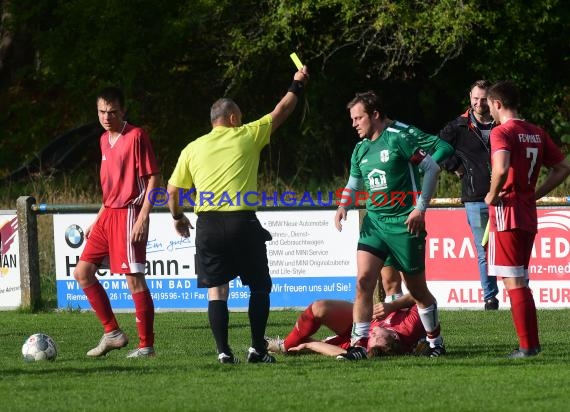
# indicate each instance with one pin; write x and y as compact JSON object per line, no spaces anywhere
{"x":530,"y":147}
{"x":124,"y":167}
{"x":407,"y":324}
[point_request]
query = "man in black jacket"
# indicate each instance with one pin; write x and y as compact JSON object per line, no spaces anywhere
{"x":469,"y":135}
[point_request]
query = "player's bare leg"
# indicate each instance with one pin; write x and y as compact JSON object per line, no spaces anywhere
{"x":391,"y":282}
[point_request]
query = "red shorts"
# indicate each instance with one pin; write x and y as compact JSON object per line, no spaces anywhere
{"x":111,"y":237}
{"x":508,"y":253}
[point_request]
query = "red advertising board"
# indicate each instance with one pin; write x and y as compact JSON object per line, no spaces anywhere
{"x":451,"y":263}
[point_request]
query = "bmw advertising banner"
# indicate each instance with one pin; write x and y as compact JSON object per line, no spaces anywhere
{"x":308,"y":260}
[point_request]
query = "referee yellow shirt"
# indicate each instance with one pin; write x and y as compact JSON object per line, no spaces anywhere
{"x":223,"y":165}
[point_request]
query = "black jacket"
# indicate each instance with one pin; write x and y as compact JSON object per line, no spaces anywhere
{"x":472,"y":157}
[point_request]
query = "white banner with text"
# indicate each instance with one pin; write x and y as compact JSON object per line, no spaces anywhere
{"x":309,"y":260}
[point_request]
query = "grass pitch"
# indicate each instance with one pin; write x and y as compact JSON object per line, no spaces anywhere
{"x":185,"y":375}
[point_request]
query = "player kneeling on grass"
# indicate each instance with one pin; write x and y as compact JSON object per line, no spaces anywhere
{"x":395,"y":330}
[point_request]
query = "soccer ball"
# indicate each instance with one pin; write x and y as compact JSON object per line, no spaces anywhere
{"x":38,"y":347}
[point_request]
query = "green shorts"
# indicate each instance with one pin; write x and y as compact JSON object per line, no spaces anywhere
{"x":388,"y":237}
{"x":389,"y":261}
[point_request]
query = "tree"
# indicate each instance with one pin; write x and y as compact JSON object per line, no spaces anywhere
{"x":173,"y":59}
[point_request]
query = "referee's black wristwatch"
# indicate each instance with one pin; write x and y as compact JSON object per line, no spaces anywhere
{"x":178,"y":216}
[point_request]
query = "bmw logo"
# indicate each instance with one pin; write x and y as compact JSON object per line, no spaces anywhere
{"x":74,"y":236}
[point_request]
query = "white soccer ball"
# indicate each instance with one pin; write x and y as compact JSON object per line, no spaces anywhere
{"x":39,"y":347}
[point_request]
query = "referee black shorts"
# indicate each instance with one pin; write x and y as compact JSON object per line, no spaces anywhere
{"x":231,"y":244}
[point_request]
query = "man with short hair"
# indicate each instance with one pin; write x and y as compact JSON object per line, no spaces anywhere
{"x":469,"y":136}
{"x":230,"y":240}
{"x":129,"y":172}
{"x":519,"y":149}
{"x":386,"y":164}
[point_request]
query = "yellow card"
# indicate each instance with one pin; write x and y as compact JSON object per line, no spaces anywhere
{"x":296,"y":60}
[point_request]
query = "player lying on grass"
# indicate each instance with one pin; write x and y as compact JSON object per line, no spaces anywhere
{"x":396,"y":329}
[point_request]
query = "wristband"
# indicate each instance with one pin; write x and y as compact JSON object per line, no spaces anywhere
{"x":178,"y":216}
{"x":297,"y":87}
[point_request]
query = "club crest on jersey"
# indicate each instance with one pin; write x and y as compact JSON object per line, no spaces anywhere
{"x":384,"y":156}
{"x":377,"y":180}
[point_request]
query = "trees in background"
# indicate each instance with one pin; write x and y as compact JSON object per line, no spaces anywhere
{"x":174,"y":58}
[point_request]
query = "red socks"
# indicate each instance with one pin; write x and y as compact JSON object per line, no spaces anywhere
{"x":100,"y":303}
{"x":523,"y":311}
{"x":305,"y":327}
{"x":144,"y":308}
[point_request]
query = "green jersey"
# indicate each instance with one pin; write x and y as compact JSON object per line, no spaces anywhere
{"x":388,"y":168}
{"x":437,"y":148}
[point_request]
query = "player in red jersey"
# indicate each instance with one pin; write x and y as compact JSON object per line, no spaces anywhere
{"x":518,"y":150}
{"x":395,"y":330}
{"x":120,"y":231}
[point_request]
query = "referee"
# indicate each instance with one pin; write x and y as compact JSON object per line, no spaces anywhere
{"x":230,"y":240}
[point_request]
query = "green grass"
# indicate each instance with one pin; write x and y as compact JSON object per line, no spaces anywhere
{"x":184,"y":376}
{"x":475,"y":376}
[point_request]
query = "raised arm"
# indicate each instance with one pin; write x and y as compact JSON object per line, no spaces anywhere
{"x":287,"y":104}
